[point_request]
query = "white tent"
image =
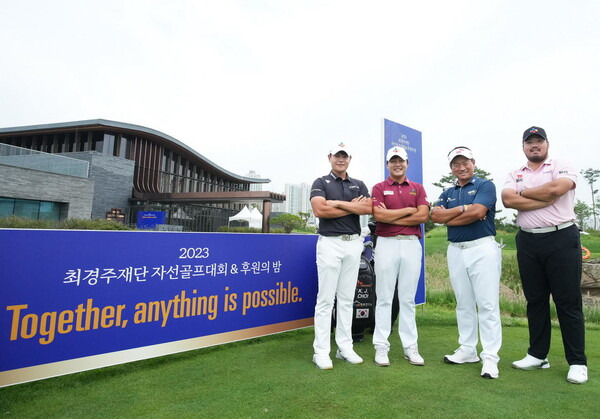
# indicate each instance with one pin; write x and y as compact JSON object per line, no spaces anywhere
{"x":256,"y":220}
{"x":253,"y":218}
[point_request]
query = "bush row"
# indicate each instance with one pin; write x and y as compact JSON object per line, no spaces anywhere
{"x":227,"y":229}
{"x":69,"y":224}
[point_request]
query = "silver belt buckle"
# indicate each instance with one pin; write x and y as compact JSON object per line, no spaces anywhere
{"x":346,"y":237}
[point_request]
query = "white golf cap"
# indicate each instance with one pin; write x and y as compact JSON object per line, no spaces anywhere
{"x":340,"y":147}
{"x":396,"y":151}
{"x":460,"y":151}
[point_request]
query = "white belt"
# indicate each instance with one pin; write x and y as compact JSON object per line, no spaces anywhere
{"x":548,"y":229}
{"x":472,"y":243}
{"x":345,"y":237}
{"x":404,"y":237}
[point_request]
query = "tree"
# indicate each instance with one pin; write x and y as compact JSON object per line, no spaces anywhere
{"x":450,"y":180}
{"x":305,"y":216}
{"x":582,"y":212}
{"x":288,"y":221}
{"x":591,"y":175}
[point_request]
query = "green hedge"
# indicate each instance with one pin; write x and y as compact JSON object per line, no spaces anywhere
{"x":227,"y":229}
{"x":98,"y":224}
{"x":69,"y":224}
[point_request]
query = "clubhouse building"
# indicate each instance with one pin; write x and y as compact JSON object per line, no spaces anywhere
{"x":107,"y":169}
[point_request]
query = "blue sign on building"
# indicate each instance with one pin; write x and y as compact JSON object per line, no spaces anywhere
{"x":147,"y":220}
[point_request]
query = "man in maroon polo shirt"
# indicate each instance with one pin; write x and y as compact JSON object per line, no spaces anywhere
{"x":399,"y":207}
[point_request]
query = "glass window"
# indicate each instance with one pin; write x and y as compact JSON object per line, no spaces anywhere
{"x":82,"y":142}
{"x":35,"y":142}
{"x":49,"y":211}
{"x":44,"y":145}
{"x":181,"y":166}
{"x":123,"y":147}
{"x":109,"y":144}
{"x":69,"y":143}
{"x":165,"y":159}
{"x":98,"y":142}
{"x":7,"y":207}
{"x":60,"y":143}
{"x":27,"y":209}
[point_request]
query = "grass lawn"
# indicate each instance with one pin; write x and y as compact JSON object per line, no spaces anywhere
{"x":436,"y":242}
{"x":274,"y":377}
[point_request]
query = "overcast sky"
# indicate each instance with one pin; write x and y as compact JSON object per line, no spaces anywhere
{"x":271,"y":85}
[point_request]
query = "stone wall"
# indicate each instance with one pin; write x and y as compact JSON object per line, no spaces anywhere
{"x":113,"y":178}
{"x":590,"y":278}
{"x":76,"y":192}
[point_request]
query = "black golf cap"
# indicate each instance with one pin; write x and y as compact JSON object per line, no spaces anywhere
{"x":534,"y":131}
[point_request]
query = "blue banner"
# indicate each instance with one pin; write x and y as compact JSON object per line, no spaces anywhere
{"x":74,"y":294}
{"x":395,"y":134}
{"x":147,"y":220}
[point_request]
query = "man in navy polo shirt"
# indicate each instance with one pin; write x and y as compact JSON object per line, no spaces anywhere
{"x":474,"y":261}
{"x":399,"y":207}
{"x":338,"y":200}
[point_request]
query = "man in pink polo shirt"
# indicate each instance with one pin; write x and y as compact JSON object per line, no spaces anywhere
{"x":399,"y":207}
{"x":548,"y":253}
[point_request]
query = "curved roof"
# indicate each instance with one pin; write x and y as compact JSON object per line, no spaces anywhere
{"x":160,"y":136}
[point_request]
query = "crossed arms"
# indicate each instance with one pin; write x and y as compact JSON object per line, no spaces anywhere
{"x":538,"y":197}
{"x":332,"y":208}
{"x":456,"y":216}
{"x":529,"y":199}
{"x":408,"y":216}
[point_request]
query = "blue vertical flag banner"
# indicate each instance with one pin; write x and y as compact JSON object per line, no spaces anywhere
{"x":395,"y":134}
{"x":77,"y":300}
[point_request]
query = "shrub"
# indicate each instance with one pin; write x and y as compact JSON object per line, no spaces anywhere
{"x":96,"y":224}
{"x":18,"y":222}
{"x":228,"y":229}
{"x":69,"y":224}
{"x":510,"y":273}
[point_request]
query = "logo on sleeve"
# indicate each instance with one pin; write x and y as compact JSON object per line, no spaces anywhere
{"x":563,"y":172}
{"x":519,"y":178}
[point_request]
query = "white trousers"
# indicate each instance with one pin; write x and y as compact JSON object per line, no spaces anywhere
{"x":338,"y":262}
{"x":396,"y":261}
{"x":475,"y":277}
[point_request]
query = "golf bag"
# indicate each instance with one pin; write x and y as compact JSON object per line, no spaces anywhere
{"x":365,"y":298}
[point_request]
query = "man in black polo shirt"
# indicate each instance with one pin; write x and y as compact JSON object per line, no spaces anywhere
{"x":338,"y":200}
